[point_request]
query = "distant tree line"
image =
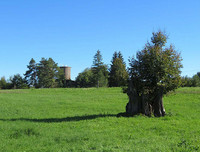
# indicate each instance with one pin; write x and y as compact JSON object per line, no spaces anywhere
{"x":100,"y":75}
{"x":47,"y":74}
{"x":193,"y":81}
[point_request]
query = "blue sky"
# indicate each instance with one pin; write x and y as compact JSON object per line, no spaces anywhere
{"x":72,"y":31}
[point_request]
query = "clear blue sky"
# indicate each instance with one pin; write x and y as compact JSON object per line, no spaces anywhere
{"x":71,"y":31}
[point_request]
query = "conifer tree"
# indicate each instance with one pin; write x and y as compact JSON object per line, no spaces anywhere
{"x":3,"y":83}
{"x":18,"y":82}
{"x":47,"y":71}
{"x":118,"y":75}
{"x":99,"y":70}
{"x":31,"y":73}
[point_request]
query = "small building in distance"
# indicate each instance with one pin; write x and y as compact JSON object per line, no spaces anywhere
{"x":67,"y":72}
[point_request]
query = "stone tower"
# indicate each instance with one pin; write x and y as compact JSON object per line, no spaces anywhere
{"x":67,"y":72}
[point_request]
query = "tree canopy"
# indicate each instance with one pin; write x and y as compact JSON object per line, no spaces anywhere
{"x":45,"y":74}
{"x":154,"y":72}
{"x":4,"y":84}
{"x":118,"y":75}
{"x":85,"y":78}
{"x":156,"y":67}
{"x":100,"y":70}
{"x":31,"y":73}
{"x":18,"y":82}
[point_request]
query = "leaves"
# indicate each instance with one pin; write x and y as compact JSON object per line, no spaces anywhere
{"x":99,"y":70}
{"x":155,"y":66}
{"x":118,"y":75}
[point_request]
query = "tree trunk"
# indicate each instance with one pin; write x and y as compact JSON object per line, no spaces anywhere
{"x":146,"y":106}
{"x":142,"y":104}
{"x":97,"y":83}
{"x":134,"y":105}
{"x":158,"y":104}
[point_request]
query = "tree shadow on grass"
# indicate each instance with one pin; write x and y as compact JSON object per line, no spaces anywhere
{"x":66,"y":119}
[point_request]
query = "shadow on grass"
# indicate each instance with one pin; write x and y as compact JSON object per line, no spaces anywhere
{"x":68,"y":119}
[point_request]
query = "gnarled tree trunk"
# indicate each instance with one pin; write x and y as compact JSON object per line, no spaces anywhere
{"x":134,"y":106}
{"x":143,"y":104}
{"x":158,"y":104}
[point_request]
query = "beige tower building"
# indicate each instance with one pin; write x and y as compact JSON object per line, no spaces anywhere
{"x":67,"y":72}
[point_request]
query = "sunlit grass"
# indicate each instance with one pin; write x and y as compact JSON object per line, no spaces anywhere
{"x":86,"y":120}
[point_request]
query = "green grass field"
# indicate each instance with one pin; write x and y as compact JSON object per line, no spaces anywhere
{"x":85,"y":120}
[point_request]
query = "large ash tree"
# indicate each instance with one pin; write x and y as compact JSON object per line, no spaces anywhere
{"x":154,"y":72}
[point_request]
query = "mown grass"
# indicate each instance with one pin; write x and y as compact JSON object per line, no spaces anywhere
{"x":86,"y":120}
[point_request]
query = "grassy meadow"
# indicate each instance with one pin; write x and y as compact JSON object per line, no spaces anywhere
{"x":59,"y":120}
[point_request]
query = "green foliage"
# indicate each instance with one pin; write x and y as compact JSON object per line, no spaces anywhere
{"x":196,"y":80}
{"x":102,"y":76}
{"x":85,"y":79}
{"x":88,"y":78}
{"x":60,"y":79}
{"x":100,"y":70}
{"x":198,"y":73}
{"x":191,"y":82}
{"x":17,"y":82}
{"x":186,"y":82}
{"x":97,"y":62}
{"x":118,"y":76}
{"x":84,"y":119}
{"x":47,"y":72}
{"x":156,"y":67}
{"x":31,"y":73}
{"x":159,"y":39}
{"x":7,"y":84}
{"x":3,"y":83}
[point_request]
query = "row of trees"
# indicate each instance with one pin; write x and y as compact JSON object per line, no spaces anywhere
{"x":191,"y":81}
{"x":84,"y":79}
{"x":13,"y":82}
{"x":99,"y":75}
{"x":45,"y":74}
{"x":153,"y":66}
